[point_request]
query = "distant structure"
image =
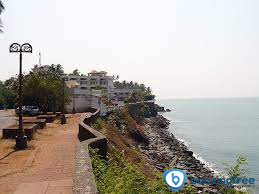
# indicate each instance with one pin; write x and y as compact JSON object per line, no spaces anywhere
{"x":94,"y":81}
{"x":88,"y":90}
{"x":40,"y":68}
{"x":40,"y":58}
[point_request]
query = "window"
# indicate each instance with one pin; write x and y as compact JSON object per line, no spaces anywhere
{"x":102,"y":82}
{"x":93,"y":82}
{"x":83,"y":82}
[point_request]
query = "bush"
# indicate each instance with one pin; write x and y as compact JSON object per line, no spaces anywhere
{"x":119,"y":176}
{"x":234,"y":171}
{"x":139,"y":111}
{"x":98,"y":124}
{"x":237,"y":170}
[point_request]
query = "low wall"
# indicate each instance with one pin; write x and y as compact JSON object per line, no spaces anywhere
{"x":84,"y":181}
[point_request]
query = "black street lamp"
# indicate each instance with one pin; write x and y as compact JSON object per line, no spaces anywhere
{"x":63,"y":116}
{"x":74,"y":109}
{"x":21,"y":139}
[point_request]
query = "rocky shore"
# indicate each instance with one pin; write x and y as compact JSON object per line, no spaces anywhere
{"x":165,"y":149}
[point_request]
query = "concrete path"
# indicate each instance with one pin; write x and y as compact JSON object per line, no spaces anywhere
{"x":50,"y":167}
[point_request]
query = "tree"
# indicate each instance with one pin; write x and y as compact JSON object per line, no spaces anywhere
{"x":75,"y":72}
{"x":7,"y":95}
{"x":135,"y":97}
{"x":44,"y":90}
{"x":56,"y":70}
{"x":1,"y":102}
{"x":1,"y":10}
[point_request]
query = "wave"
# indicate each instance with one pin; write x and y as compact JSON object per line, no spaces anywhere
{"x":207,"y":164}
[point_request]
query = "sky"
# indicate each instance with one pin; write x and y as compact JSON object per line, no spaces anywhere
{"x":180,"y":48}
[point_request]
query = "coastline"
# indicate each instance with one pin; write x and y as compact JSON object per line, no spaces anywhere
{"x":202,"y":160}
{"x":166,"y":150}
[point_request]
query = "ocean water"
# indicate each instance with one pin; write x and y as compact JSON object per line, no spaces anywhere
{"x":217,"y":130}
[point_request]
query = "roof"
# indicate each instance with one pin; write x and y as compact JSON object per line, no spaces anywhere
{"x":94,"y":71}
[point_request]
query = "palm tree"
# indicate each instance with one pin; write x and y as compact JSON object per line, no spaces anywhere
{"x":1,"y":10}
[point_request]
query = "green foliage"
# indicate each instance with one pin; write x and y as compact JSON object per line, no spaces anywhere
{"x":141,"y":92}
{"x":189,"y":188}
{"x":122,"y":120}
{"x":98,"y":124}
{"x":56,"y":70}
{"x":139,"y":111}
{"x":149,"y":97}
{"x":75,"y":72}
{"x":119,"y":176}
{"x":7,"y":96}
{"x":223,"y":189}
{"x":98,"y":87}
{"x":44,"y":90}
{"x":128,"y":85}
{"x":135,"y":97}
{"x":237,"y":170}
{"x":2,"y":101}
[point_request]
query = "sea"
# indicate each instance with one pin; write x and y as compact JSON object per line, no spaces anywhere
{"x":217,"y":130}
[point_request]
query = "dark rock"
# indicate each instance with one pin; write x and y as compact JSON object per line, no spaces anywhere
{"x":189,"y":153}
{"x":164,"y":149}
{"x":139,"y":137}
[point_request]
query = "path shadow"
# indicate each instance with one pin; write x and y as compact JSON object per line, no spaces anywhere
{"x":15,"y":150}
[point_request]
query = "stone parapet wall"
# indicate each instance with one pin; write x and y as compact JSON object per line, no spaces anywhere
{"x":84,"y":181}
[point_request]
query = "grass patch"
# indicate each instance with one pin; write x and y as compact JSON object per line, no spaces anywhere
{"x":117,"y":175}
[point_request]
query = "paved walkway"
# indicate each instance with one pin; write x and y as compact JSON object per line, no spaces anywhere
{"x":49,"y":166}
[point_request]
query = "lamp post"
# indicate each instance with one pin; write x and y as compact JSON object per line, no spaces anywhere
{"x":63,"y":117}
{"x":74,"y":109}
{"x":21,"y":139}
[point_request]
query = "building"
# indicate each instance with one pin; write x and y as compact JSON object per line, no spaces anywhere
{"x":94,"y":81}
{"x":40,"y":68}
{"x":122,"y":94}
{"x":87,"y":90}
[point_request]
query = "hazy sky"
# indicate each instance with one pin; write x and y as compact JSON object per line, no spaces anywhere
{"x":181,"y":48}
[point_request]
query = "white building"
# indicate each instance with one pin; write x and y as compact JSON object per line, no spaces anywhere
{"x":94,"y":80}
{"x":86,"y":90}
